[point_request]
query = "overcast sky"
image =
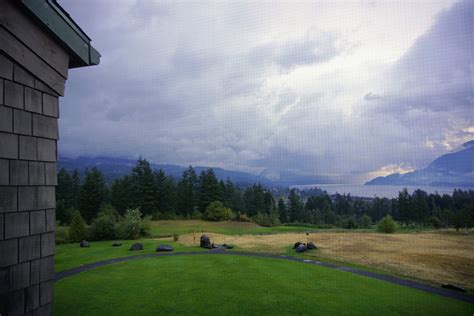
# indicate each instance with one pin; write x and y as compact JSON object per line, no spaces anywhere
{"x":318,"y":88}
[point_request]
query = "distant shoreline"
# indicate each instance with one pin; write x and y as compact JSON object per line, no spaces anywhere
{"x":376,"y":190}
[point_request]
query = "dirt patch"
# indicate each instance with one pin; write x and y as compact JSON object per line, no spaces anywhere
{"x":434,"y":257}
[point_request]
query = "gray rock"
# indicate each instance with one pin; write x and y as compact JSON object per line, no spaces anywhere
{"x":296,"y":245}
{"x":226,"y":246}
{"x":117,"y":244}
{"x":85,"y":244}
{"x":205,"y":242}
{"x":311,"y":245}
{"x":301,"y":248}
{"x":136,"y":246}
{"x":162,"y":248}
{"x":453,"y":287}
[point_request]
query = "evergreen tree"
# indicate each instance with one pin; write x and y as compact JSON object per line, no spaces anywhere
{"x":121,"y":194}
{"x":143,"y":187}
{"x":209,"y":189}
{"x":165,"y":194}
{"x":404,"y":205}
{"x":282,"y":211}
{"x":76,"y":188}
{"x":77,"y":231}
{"x":295,"y":206}
{"x":187,"y":192}
{"x":92,"y":194}
{"x":64,"y":191}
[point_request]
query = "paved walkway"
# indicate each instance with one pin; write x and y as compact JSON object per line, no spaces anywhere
{"x":383,"y":277}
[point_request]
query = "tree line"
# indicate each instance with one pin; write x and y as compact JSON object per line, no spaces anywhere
{"x":158,"y":195}
{"x":416,"y":209}
{"x":162,"y":197}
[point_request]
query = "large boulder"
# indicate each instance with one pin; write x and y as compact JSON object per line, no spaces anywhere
{"x":85,"y":244}
{"x":301,"y":248}
{"x":117,"y":244}
{"x":311,"y":245}
{"x":205,"y":242}
{"x":296,"y":245}
{"x":164,"y":248}
{"x":136,"y":246}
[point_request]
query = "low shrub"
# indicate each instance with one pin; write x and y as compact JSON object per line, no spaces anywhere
{"x":77,"y":230}
{"x":103,"y":226}
{"x":365,"y":221}
{"x":62,"y":235}
{"x":386,"y":225}
{"x":268,"y":220}
{"x":132,"y":225}
{"x":216,"y":211}
{"x":242,"y":217}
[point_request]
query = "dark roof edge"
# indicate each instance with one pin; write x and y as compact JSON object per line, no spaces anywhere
{"x":62,"y":26}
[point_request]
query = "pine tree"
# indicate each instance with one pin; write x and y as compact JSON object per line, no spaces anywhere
{"x":64,"y":188}
{"x":76,"y":188}
{"x":77,"y":231}
{"x":93,"y":193}
{"x":187,"y":192}
{"x":209,"y":189}
{"x":282,"y":211}
{"x":295,"y":207}
{"x":404,"y":206}
{"x":121,"y":194}
{"x":143,"y":187}
{"x":165,"y":193}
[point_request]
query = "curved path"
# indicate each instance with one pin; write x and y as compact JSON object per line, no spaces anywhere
{"x":387,"y":278}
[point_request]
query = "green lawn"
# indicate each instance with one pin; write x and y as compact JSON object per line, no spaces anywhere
{"x":168,"y":228}
{"x":71,"y":255}
{"x":234,"y":285}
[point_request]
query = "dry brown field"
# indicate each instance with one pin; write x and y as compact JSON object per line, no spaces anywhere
{"x":431,"y":256}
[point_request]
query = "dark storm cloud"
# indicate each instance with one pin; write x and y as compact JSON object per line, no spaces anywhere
{"x":212,"y":85}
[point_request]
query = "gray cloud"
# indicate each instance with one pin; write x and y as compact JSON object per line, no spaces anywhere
{"x":191,"y":85}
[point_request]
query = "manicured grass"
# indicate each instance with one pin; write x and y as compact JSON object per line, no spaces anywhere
{"x":168,"y":228}
{"x":71,"y":255}
{"x":234,"y":285}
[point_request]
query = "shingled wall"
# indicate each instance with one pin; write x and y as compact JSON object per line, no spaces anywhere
{"x":33,"y":70}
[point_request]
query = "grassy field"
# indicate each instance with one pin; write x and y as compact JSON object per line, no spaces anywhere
{"x":71,"y":255}
{"x":433,"y":257}
{"x":168,"y":228}
{"x":233,"y":285}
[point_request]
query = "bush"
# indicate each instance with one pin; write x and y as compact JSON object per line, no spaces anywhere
{"x":242,"y":217}
{"x":365,"y":221}
{"x":436,"y":222}
{"x":386,"y":225}
{"x":132,"y":225}
{"x":264,"y":219}
{"x":348,"y":223}
{"x":77,"y":231}
{"x":216,"y":211}
{"x":103,"y":226}
{"x":62,"y":235}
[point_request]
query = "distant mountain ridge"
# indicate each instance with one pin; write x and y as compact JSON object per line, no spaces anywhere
{"x":114,"y":168}
{"x":453,"y":169}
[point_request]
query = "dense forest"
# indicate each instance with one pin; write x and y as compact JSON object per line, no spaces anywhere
{"x":190,"y":197}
